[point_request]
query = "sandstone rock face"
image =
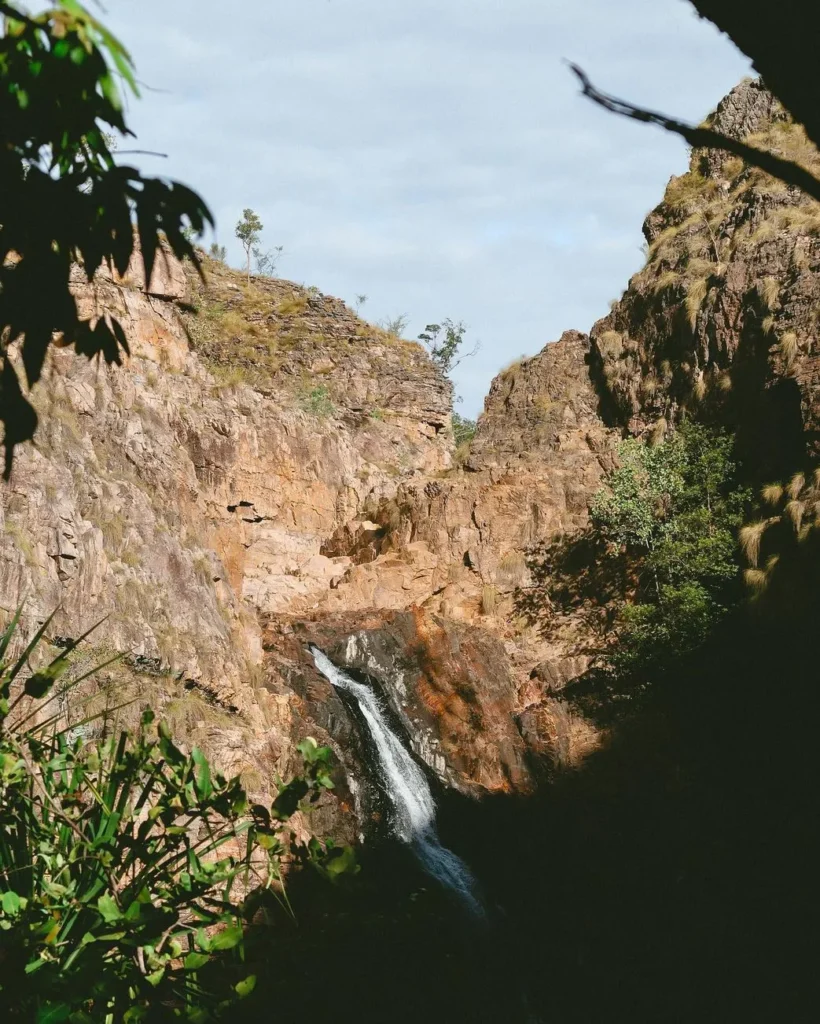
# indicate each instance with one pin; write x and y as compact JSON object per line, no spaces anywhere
{"x":182,"y":507}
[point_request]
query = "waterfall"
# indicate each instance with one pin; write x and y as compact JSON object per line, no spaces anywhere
{"x":408,"y":790}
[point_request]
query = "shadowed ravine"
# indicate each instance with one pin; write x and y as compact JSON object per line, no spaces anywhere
{"x":412,"y":801}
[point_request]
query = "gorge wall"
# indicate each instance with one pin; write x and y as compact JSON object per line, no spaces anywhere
{"x":269,"y":471}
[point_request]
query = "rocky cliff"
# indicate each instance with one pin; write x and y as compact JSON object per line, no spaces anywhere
{"x":268,"y":471}
{"x":721,"y":322}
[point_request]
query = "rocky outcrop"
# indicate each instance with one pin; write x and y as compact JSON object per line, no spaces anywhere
{"x":721,"y":322}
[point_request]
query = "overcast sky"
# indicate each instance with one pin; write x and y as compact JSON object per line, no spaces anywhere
{"x":432,"y":154}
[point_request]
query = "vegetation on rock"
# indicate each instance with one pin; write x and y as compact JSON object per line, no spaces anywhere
{"x":661,"y":552}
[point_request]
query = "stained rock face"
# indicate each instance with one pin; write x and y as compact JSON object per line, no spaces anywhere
{"x":543,"y":409}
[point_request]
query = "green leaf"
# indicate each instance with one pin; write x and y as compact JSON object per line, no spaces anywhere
{"x":39,"y":684}
{"x":134,"y":912}
{"x":246,"y":986}
{"x":10,"y":902}
{"x":288,"y":799}
{"x":193,"y":961}
{"x":228,"y":938}
{"x":343,"y":863}
{"x":202,"y":773}
{"x":53,"y":1013}
{"x":108,"y":909}
{"x":156,"y":977}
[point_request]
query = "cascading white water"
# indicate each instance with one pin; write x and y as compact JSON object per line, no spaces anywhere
{"x":407,"y":788}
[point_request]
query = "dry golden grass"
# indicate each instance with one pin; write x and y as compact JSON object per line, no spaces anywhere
{"x":292,"y":305}
{"x":796,"y":485}
{"x":658,"y":431}
{"x":795,"y":510}
{"x":769,"y":291}
{"x":751,"y":536}
{"x":690,"y":188}
{"x":756,"y":580}
{"x":610,"y":344}
{"x":788,"y":346}
{"x":543,"y":405}
{"x":772,"y":493}
{"x":648,"y":386}
{"x":695,"y":294}
{"x":512,"y":568}
{"x":732,"y":167}
{"x":764,"y":232}
{"x":489,"y":600}
{"x":668,"y":279}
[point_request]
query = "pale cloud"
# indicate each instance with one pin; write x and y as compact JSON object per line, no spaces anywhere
{"x":432,"y":154}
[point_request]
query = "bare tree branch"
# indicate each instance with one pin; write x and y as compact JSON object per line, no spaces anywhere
{"x":704,"y":138}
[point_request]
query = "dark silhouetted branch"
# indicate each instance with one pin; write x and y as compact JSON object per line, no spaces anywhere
{"x":705,"y":138}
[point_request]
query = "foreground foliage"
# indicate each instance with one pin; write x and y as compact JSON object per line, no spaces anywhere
{"x":64,"y":201}
{"x":121,"y":861}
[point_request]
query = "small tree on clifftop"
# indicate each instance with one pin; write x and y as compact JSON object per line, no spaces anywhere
{"x":248,"y":231}
{"x":443,"y":342}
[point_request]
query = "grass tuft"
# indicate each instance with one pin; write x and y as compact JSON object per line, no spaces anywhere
{"x":695,"y":294}
{"x":769,"y":291}
{"x":750,"y":540}
{"x":772,"y":494}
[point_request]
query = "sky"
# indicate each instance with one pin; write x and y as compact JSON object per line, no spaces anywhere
{"x":433,"y":155}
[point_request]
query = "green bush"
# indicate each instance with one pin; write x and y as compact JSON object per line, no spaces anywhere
{"x":319,"y":403}
{"x":673,"y":509}
{"x":119,"y":859}
{"x":463,"y":429}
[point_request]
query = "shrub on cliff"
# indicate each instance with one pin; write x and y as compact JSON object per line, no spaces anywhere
{"x":657,"y":569}
{"x":673,"y":509}
{"x":463,"y":430}
{"x":118,"y":860}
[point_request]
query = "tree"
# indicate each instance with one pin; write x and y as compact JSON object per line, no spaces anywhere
{"x":782,"y":52}
{"x":781,"y":48}
{"x":64,"y":201}
{"x":249,"y":233}
{"x":673,"y":509}
{"x":443,"y":342}
{"x":218,"y":252}
{"x":267,"y":262}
